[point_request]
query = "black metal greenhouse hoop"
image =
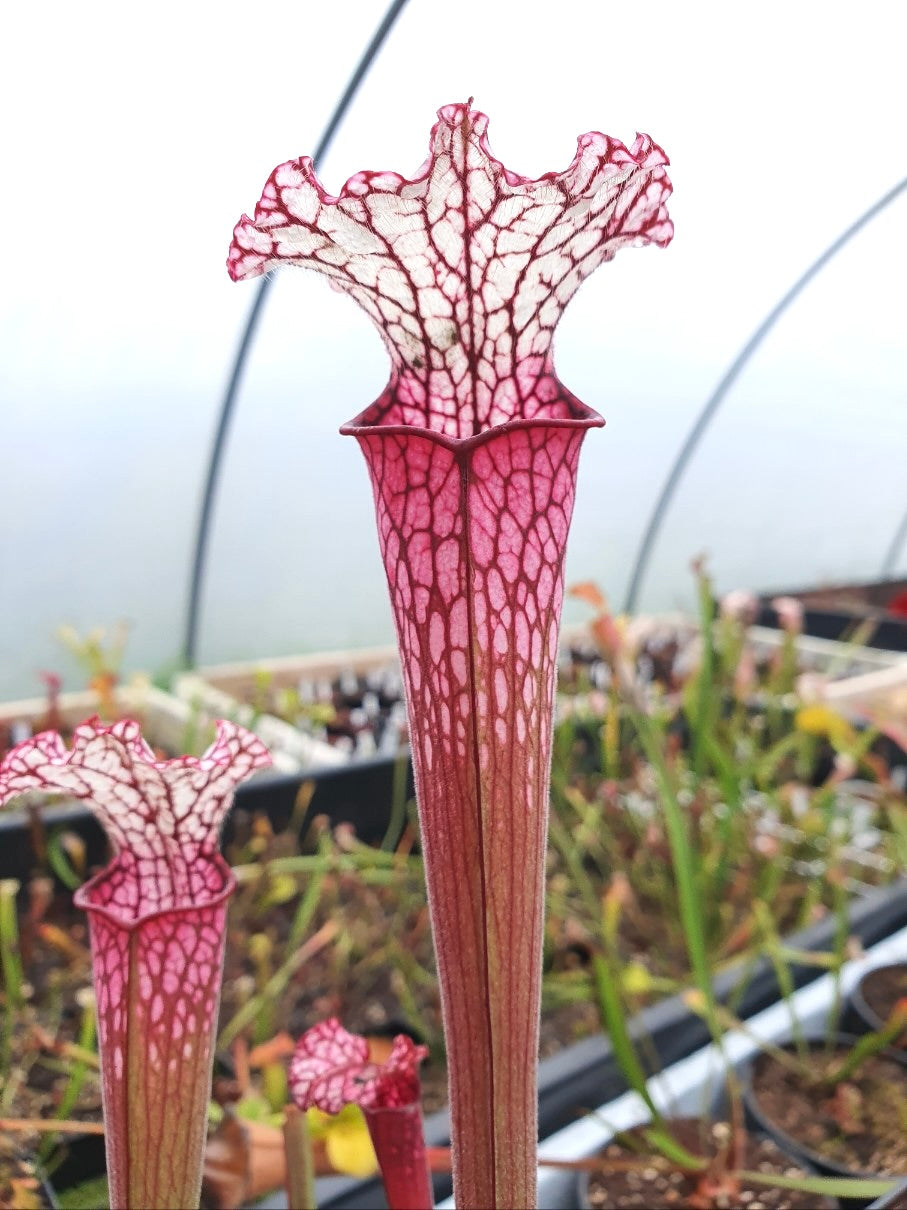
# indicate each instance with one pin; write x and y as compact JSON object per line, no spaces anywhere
{"x":190,"y":640}
{"x":715,"y":399}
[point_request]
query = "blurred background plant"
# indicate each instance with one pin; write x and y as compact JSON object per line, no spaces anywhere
{"x":99,"y":654}
{"x":786,"y":808}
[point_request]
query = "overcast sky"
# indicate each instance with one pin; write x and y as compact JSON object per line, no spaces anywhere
{"x":135,"y":135}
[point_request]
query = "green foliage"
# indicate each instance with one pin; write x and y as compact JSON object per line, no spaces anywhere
{"x":90,"y":1195}
{"x":697,"y":818}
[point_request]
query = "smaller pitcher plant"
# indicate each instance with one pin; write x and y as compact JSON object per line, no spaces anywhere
{"x":157,"y":917}
{"x":331,"y":1068}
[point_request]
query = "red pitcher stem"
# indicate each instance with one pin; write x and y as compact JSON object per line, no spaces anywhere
{"x":473,"y":538}
{"x":399,"y":1143}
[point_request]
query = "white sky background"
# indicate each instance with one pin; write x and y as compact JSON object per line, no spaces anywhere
{"x":134,"y":136}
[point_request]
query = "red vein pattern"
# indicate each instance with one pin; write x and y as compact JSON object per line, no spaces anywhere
{"x":330,"y":1068}
{"x":472,"y":449}
{"x":157,"y":917}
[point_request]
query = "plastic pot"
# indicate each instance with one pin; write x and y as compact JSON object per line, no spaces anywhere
{"x":873,"y":999}
{"x":895,"y":1199}
{"x":819,"y":1106}
{"x":646,"y":1192}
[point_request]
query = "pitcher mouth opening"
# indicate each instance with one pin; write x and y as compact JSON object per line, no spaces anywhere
{"x":95,"y":896}
{"x":379,"y":421}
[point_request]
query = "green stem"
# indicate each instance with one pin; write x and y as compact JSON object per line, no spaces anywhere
{"x":305,"y":913}
{"x":11,"y":964}
{"x":867,"y":1046}
{"x":607,"y":983}
{"x":77,"y":1073}
{"x":340,"y":863}
{"x":397,"y":821}
{"x":828,"y":1186}
{"x":275,"y":985}
{"x":705,"y":681}
{"x":10,"y":958}
{"x":772,"y":943}
{"x":300,"y":1167}
{"x":684,"y":866}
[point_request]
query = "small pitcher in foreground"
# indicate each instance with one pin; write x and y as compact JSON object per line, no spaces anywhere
{"x":157,"y":916}
{"x":331,"y":1068}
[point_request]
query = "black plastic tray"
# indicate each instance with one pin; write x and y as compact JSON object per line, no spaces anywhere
{"x":360,"y":793}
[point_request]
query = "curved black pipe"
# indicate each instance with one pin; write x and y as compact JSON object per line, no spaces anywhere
{"x":714,"y":401}
{"x":190,"y":639}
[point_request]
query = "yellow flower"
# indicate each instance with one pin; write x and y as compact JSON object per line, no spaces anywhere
{"x":636,"y":980}
{"x":821,"y":721}
{"x":346,"y":1140}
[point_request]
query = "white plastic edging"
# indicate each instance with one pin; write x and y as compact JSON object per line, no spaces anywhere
{"x":824,"y":653}
{"x":165,"y":720}
{"x":291,"y":750}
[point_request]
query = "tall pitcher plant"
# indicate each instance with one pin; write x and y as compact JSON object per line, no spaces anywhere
{"x":472,"y":450}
